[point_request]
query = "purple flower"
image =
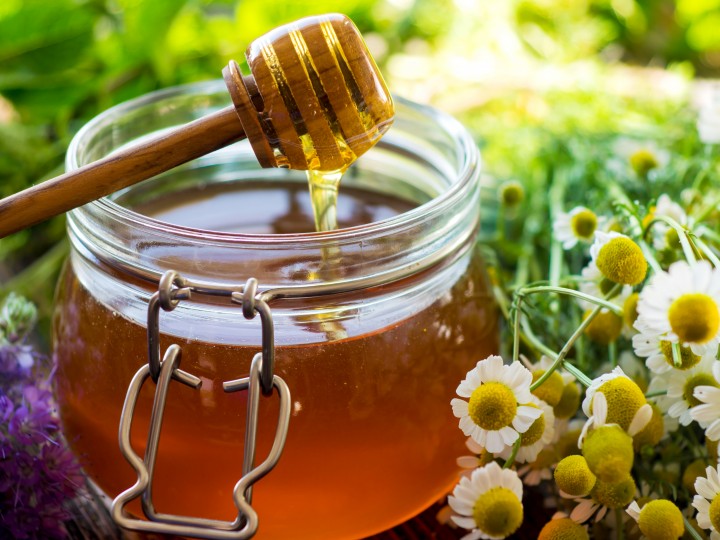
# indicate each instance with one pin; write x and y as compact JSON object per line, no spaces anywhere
{"x":33,"y":421}
{"x":38,"y":473}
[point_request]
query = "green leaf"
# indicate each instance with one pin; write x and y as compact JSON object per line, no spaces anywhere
{"x":43,"y":37}
{"x":147,"y":23}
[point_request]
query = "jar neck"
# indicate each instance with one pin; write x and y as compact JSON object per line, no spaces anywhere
{"x":426,"y":156}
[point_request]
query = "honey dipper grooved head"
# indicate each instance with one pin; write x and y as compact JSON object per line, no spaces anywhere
{"x":315,"y":100}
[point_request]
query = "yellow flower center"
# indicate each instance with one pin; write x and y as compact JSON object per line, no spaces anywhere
{"x":604,"y":328}
{"x":512,"y":193}
{"x":661,"y":520}
{"x":624,"y":398}
{"x":574,"y":477}
{"x":694,"y":317}
{"x":569,"y":402}
{"x":563,"y":529}
{"x":651,"y":434}
{"x":643,"y":161}
{"x":622,"y":261}
{"x":614,"y":494}
{"x":583,"y":224}
{"x":492,"y":406}
{"x":498,"y":512}
{"x":630,"y":312}
{"x":687,"y":358}
{"x":714,"y":512}
{"x":692,"y":472}
{"x":701,"y":379}
{"x":608,"y":451}
{"x":535,"y":431}
{"x":551,"y":390}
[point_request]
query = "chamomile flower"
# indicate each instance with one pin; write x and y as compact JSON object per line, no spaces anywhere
{"x":496,"y":413}
{"x":681,"y":387}
{"x":604,"y":496}
{"x":488,"y":503}
{"x":707,"y":502}
{"x":658,"y":520}
{"x":683,"y":305}
{"x":511,"y":193}
{"x":536,"y":438}
{"x":624,"y":402}
{"x":578,"y":225}
{"x":659,"y":353}
{"x":574,"y":477}
{"x":619,"y":258}
{"x":607,"y":447}
{"x":707,"y":412}
{"x":563,"y":528}
{"x":595,"y":284}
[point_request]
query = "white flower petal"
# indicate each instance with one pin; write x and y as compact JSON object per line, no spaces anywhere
{"x":582,"y":512}
{"x":633,"y":510}
{"x":494,"y":443}
{"x":600,"y":408}
{"x":640,"y":420}
{"x":464,"y":522}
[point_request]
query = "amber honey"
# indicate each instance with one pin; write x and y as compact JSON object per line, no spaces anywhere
{"x":371,"y":432}
{"x":371,"y":371}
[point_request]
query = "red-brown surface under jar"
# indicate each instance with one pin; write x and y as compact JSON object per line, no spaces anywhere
{"x":372,"y":440}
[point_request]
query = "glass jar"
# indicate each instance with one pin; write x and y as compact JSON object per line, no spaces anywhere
{"x":372,"y":439}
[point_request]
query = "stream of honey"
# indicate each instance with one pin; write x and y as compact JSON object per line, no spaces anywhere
{"x":372,"y":439}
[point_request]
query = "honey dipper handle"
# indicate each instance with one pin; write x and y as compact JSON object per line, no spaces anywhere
{"x":119,"y":170}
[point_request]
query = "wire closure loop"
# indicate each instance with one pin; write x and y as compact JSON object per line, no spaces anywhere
{"x":253,"y":303}
{"x":172,"y":289}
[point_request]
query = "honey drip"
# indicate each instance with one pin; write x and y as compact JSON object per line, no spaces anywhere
{"x":323,"y":194}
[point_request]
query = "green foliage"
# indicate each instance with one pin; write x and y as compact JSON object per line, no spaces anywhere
{"x":64,"y":61}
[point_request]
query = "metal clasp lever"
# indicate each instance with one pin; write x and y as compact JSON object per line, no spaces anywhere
{"x":246,"y":523}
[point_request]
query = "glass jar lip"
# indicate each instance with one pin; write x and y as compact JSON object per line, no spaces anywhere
{"x":466,"y":175}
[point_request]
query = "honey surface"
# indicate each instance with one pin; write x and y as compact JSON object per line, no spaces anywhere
{"x":372,"y":439}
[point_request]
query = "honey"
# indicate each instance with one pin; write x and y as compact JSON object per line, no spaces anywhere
{"x":370,"y":412}
{"x":323,"y":194}
{"x":372,"y":440}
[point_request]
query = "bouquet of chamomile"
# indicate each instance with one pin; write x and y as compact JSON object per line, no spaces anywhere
{"x":605,"y":263}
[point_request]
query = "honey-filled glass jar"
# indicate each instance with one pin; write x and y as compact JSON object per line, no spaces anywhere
{"x":377,"y":323}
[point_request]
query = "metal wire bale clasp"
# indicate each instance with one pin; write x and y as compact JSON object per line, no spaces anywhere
{"x":172,"y":289}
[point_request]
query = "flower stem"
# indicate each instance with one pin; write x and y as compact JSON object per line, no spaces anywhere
{"x":612,"y":353}
{"x":691,"y":530}
{"x":705,"y":249}
{"x":571,"y":341}
{"x":656,"y":393}
{"x":682,"y":232}
{"x":525,"y":291}
{"x":515,"y":448}
{"x":676,"y":354}
{"x":619,"y":523}
{"x":579,"y":375}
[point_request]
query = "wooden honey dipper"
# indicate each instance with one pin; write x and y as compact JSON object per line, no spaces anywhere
{"x":315,"y":101}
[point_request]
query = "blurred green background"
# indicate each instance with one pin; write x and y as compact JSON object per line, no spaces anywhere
{"x":517,"y":72}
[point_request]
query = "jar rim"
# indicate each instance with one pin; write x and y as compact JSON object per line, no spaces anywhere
{"x":444,"y":202}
